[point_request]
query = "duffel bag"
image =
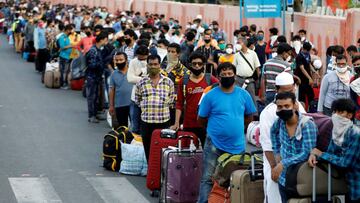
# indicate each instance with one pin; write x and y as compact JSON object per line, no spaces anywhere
{"x":133,"y":159}
{"x":253,"y":133}
{"x":112,"y":147}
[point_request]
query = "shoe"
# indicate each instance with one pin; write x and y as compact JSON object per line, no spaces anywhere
{"x":65,"y":87}
{"x":101,"y":117}
{"x":93,"y":120}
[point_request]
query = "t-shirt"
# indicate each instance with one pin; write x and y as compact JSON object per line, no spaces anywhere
{"x":301,"y":60}
{"x":123,"y":89}
{"x":193,"y":94}
{"x":225,"y":113}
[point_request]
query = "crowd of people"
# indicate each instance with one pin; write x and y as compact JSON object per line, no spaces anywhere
{"x":153,"y":71}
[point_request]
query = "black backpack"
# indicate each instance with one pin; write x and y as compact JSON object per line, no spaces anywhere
{"x":112,"y":147}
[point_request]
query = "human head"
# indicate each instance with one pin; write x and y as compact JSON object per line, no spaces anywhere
{"x":226,"y":72}
{"x":142,"y":52}
{"x":306,"y":47}
{"x":130,"y":36}
{"x":351,"y":50}
{"x":197,"y":63}
{"x":120,"y":60}
{"x":284,"y":50}
{"x":190,"y":37}
{"x":284,"y":82}
{"x":207,"y":38}
{"x":344,"y":107}
{"x":281,"y":39}
{"x":341,"y":61}
{"x":302,"y":34}
{"x":356,"y":64}
{"x":174,"y":50}
{"x":163,"y":44}
{"x":244,"y":31}
{"x":153,"y":65}
{"x":243,"y":42}
{"x":98,"y":29}
{"x":260,"y":35}
{"x":253,"y":28}
{"x":273,"y":31}
{"x":215,"y":26}
{"x":338,"y":50}
{"x":102,"y":39}
{"x":68,"y":29}
{"x":221,"y":44}
{"x":229,"y":49}
{"x":286,"y":105}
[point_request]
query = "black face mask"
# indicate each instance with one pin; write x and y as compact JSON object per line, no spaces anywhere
{"x":88,"y":34}
{"x":285,"y":114}
{"x":127,"y":42}
{"x":227,"y":82}
{"x":207,"y":41}
{"x":197,"y":72}
{"x":121,"y":66}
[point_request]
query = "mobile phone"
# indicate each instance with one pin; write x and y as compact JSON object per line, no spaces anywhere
{"x":209,"y":67}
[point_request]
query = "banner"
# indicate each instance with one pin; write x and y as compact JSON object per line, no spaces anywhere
{"x":262,"y":8}
{"x":334,"y":4}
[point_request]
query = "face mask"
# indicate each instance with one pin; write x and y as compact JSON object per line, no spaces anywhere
{"x":111,"y":36}
{"x":341,"y":70}
{"x":143,"y":63}
{"x":207,"y":41}
{"x":88,"y":34}
{"x":238,"y":47}
{"x":303,"y":38}
{"x":216,"y":29}
{"x":222,"y":46}
{"x":229,"y":50}
{"x":357,"y":70}
{"x":161,"y":52}
{"x":128,"y":41}
{"x":253,"y":48}
{"x":197,"y":72}
{"x":274,"y":54}
{"x":341,"y":124}
{"x":285,"y":115}
{"x":288,"y":59}
{"x":227,"y":82}
{"x":260,"y":37}
{"x":153,"y":71}
{"x":121,"y":66}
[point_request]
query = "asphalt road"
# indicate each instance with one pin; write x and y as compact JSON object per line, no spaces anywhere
{"x":48,"y":150}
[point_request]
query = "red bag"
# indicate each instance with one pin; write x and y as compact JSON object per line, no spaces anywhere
{"x":77,"y":84}
{"x":219,"y":194}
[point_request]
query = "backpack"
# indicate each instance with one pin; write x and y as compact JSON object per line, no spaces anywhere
{"x":112,"y":147}
{"x":18,"y":27}
{"x":186,"y":79}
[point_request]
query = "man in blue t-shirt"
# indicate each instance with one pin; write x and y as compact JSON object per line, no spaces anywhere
{"x":224,"y":111}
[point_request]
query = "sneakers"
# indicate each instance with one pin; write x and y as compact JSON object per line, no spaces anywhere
{"x":65,"y":87}
{"x":93,"y":120}
{"x":101,"y":117}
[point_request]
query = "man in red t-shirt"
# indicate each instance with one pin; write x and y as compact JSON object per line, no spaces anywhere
{"x":188,"y":98}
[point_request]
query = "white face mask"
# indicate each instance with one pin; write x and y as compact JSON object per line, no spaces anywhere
{"x":288,"y":59}
{"x":161,"y":52}
{"x":143,"y":63}
{"x":111,"y":36}
{"x":341,"y":70}
{"x":297,"y":46}
{"x":341,"y":124}
{"x":303,"y":38}
{"x":238,"y":47}
{"x":274,"y":54}
{"x":229,"y":50}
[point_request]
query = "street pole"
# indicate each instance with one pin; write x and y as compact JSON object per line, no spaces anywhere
{"x":240,"y":5}
{"x":292,"y":22}
{"x":283,"y":16}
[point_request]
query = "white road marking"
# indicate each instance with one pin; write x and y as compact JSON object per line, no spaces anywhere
{"x":34,"y":190}
{"x":116,"y":189}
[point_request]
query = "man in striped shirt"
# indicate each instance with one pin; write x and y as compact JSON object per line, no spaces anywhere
{"x":273,"y":68}
{"x":155,"y":94}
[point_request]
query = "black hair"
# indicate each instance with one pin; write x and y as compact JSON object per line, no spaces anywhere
{"x":355,"y":58}
{"x":282,"y":48}
{"x":296,"y":38}
{"x":164,"y":42}
{"x":351,"y":48}
{"x":274,"y":31}
{"x":329,"y":50}
{"x":342,"y":105}
{"x":307,"y":46}
{"x":61,"y":26}
{"x":226,"y":66}
{"x":98,"y":27}
{"x":302,"y":31}
{"x":236,"y":32}
{"x":176,"y":46}
{"x":145,"y":35}
{"x":253,"y":27}
{"x":261,"y":31}
{"x":197,"y":55}
{"x":131,"y":33}
{"x":281,"y":39}
{"x":142,"y":50}
{"x":101,"y":36}
{"x":358,"y":40}
{"x":68,"y":27}
{"x":286,"y":95}
{"x":244,"y":28}
{"x":338,"y":49}
{"x":154,"y":57}
{"x":190,"y":36}
{"x":121,"y":53}
{"x":340,"y":57}
{"x":143,"y":42}
{"x":166,"y":27}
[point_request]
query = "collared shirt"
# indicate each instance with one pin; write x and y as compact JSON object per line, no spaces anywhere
{"x":123,"y":88}
{"x":39,"y":38}
{"x":295,"y":149}
{"x":242,"y":67}
{"x":273,"y":68}
{"x":347,"y":156}
{"x":155,"y":101}
{"x":94,"y":63}
{"x":63,"y":42}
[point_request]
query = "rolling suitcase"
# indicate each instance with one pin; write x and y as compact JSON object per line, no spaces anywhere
{"x":181,"y":173}
{"x":316,"y":190}
{"x":161,"y":139}
{"x":248,"y":186}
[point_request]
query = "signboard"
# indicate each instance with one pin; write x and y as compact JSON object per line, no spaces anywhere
{"x":290,"y":2}
{"x":262,"y":8}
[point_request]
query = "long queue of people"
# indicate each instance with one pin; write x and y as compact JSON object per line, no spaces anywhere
{"x":152,"y":71}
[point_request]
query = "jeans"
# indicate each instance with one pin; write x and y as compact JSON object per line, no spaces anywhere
{"x":282,"y":190}
{"x":270,"y":96}
{"x":210,"y":156}
{"x":122,"y":115}
{"x":135,"y":117}
{"x":64,"y":65}
{"x":92,"y":94}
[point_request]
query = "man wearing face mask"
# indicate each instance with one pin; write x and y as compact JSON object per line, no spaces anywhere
{"x":94,"y":72}
{"x":189,"y":91}
{"x":344,"y":147}
{"x":284,"y":82}
{"x":247,"y":67}
{"x":155,"y":96}
{"x":224,"y":112}
{"x":218,"y":33}
{"x":355,"y":88}
{"x":137,"y":70}
{"x":187,"y":47}
{"x":334,"y":85}
{"x":120,"y":90}
{"x":273,"y":68}
{"x":130,"y":38}
{"x":87,"y":42}
{"x":40,"y":45}
{"x":302,"y":34}
{"x":293,"y":136}
{"x":64,"y":57}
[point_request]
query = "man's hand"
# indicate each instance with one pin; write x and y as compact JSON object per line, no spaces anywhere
{"x":275,"y":172}
{"x":312,"y":160}
{"x":317,"y":152}
{"x":311,"y":81}
{"x":112,"y":110}
{"x":175,"y":126}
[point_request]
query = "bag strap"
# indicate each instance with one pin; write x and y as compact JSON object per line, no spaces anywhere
{"x":242,"y":55}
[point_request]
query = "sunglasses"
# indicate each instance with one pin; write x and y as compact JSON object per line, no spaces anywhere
{"x":197,"y":63}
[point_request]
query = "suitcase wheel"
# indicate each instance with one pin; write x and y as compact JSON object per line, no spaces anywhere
{"x":155,"y":193}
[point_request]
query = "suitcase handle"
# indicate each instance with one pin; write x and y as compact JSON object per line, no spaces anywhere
{"x":253,"y":153}
{"x":314,"y":184}
{"x":192,"y":141}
